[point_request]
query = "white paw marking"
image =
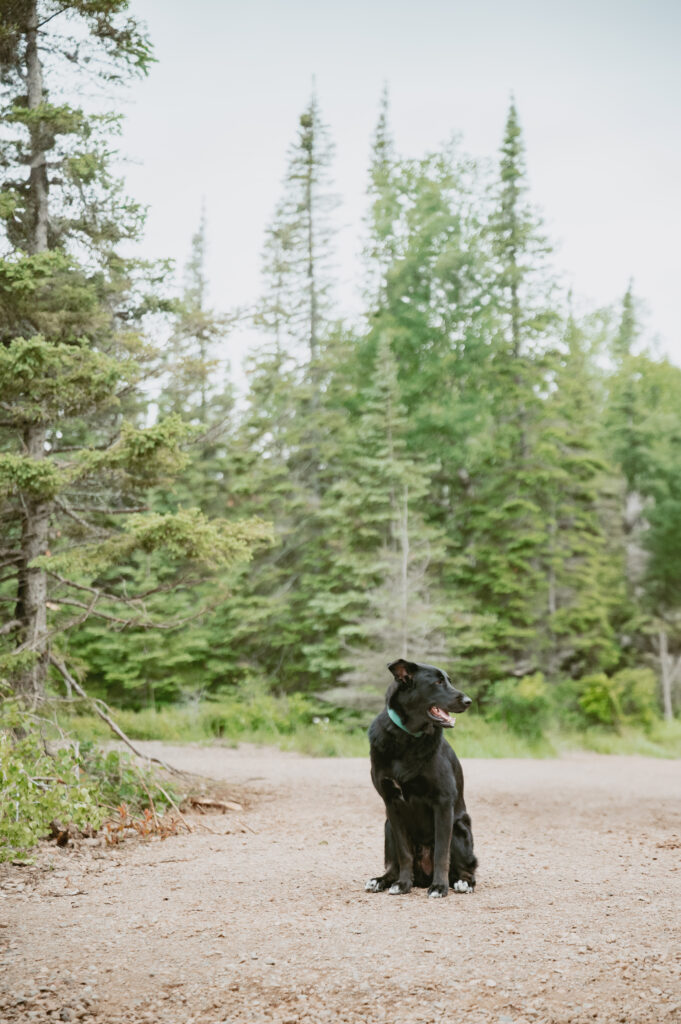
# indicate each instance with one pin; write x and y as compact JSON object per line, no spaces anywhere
{"x":462,"y":886}
{"x":435,"y":895}
{"x":394,"y":890}
{"x":372,"y":885}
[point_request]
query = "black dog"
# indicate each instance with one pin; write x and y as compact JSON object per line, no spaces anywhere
{"x":428,"y":838}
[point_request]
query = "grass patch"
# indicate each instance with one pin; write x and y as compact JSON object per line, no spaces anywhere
{"x":474,"y":736}
{"x":300,"y":723}
{"x":290,"y":723}
{"x":661,"y":739}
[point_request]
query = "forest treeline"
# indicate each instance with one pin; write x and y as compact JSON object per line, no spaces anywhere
{"x":476,"y":472}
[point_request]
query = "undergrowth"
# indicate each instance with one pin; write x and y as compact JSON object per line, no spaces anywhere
{"x":52,"y":783}
{"x":303,"y":724}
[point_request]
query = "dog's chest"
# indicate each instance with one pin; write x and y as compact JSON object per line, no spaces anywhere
{"x":408,"y":785}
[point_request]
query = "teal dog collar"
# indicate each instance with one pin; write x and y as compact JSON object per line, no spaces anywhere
{"x":394,"y":717}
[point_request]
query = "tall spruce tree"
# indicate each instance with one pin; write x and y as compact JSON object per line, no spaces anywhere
{"x":381,"y":246}
{"x":500,"y":539}
{"x":388,"y":555}
{"x":73,"y":463}
{"x":196,"y":385}
{"x":583,"y":584}
{"x":425,"y":259}
{"x":298,"y":249}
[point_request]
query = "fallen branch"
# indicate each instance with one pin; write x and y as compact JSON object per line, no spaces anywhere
{"x":116,"y":729}
{"x":68,"y":678}
{"x":222,"y":805}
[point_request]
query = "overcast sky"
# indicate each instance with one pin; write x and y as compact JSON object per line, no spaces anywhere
{"x":597,"y":86}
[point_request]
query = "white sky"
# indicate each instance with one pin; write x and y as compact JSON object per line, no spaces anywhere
{"x":598,"y":90}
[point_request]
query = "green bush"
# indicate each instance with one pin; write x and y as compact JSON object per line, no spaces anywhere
{"x":43,"y":779}
{"x":638,"y":695}
{"x":598,"y":697}
{"x":522,"y":704}
{"x":627,"y":698}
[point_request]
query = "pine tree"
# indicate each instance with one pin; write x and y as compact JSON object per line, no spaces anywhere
{"x":298,"y":250}
{"x":642,"y":433}
{"x":384,"y":212}
{"x":500,"y":527}
{"x":583,"y":585}
{"x":195,"y":379}
{"x":426,"y":247}
{"x":74,"y":465}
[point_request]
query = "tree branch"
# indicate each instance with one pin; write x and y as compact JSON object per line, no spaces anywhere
{"x":69,"y":679}
{"x":55,"y":14}
{"x":109,"y":511}
{"x":78,"y":519}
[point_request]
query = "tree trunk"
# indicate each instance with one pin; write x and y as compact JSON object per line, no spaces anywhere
{"x":404,"y":573}
{"x":670,"y":672}
{"x":31,"y":607}
{"x":312,"y":284}
{"x":37,"y":184}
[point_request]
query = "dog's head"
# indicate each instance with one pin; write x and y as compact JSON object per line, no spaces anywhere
{"x":424,"y":696}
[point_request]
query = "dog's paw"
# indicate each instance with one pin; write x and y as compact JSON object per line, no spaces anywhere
{"x":461,"y":886}
{"x":399,"y":889}
{"x":438,"y":891}
{"x":373,"y":885}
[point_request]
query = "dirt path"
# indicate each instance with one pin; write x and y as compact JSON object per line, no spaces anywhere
{"x":577,"y":915}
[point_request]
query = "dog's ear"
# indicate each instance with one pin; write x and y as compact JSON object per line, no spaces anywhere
{"x":403,"y":671}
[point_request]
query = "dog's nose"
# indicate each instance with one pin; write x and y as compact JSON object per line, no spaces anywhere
{"x":467,"y":702}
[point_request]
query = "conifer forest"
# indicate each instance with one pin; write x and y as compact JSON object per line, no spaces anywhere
{"x":477,"y":472}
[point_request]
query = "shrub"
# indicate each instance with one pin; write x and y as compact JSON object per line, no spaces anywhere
{"x":627,"y":698}
{"x":522,"y":704}
{"x":42,"y":780}
{"x":638,"y":696}
{"x":598,"y":697}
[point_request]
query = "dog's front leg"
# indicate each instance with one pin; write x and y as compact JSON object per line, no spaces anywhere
{"x":444,"y":822}
{"x":403,"y":849}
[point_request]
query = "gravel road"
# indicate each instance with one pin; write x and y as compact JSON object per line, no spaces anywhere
{"x":577,"y":914}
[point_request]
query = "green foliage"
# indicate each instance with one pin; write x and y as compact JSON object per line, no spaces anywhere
{"x":44,"y":779}
{"x":599,"y":699}
{"x":453,"y":478}
{"x":46,"y":381}
{"x":524,"y":705}
{"x":638,"y":690}
{"x":248,"y":714}
{"x":37,"y":787}
{"x":187,"y":535}
{"x":20,"y":474}
{"x":627,"y":698}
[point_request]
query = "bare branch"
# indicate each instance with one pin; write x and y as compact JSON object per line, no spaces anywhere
{"x":98,"y":705}
{"x":10,"y":626}
{"x":109,"y":511}
{"x":72,"y":514}
{"x":129,"y":599}
{"x":55,"y":14}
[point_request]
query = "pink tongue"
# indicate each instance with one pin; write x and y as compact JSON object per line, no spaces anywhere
{"x":439,"y":713}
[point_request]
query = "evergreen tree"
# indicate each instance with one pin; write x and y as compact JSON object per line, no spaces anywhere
{"x":426,"y":246}
{"x":298,"y":246}
{"x":390,"y":557}
{"x":195,"y":379}
{"x":384,"y":211}
{"x":501,"y":537}
{"x":73,"y":463}
{"x":583,"y":585}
